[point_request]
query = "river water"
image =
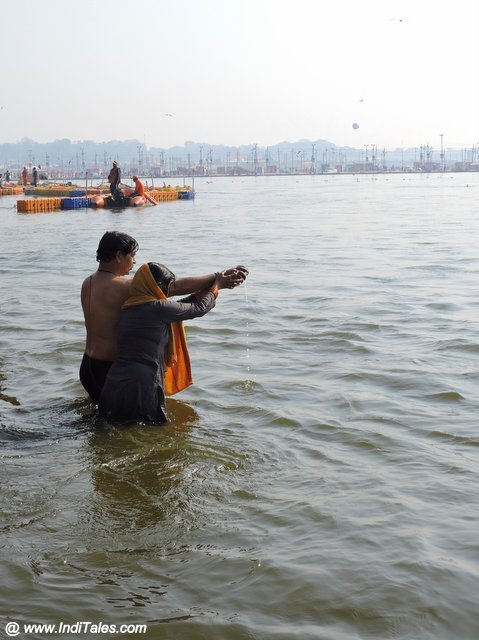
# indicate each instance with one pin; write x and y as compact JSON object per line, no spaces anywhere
{"x":318,"y":481}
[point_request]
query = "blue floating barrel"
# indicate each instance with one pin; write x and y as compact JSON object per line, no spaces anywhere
{"x":73,"y":203}
{"x":186,"y":195}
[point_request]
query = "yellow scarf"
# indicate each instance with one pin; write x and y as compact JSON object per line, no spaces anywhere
{"x":144,"y":289}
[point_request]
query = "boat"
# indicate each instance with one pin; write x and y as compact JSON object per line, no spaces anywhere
{"x":108,"y":202}
{"x":154,"y":196}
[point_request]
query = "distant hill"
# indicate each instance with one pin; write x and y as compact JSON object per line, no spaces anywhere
{"x":89,"y":152}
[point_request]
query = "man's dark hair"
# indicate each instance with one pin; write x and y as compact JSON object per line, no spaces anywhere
{"x":113,"y":241}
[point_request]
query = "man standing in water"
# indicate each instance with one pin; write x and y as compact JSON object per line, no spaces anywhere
{"x":114,"y":178}
{"x":103,"y":294}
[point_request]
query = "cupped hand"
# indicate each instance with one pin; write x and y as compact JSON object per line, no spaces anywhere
{"x":242,"y":270}
{"x":231,"y":278}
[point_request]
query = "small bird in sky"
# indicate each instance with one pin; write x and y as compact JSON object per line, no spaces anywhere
{"x":169,"y":115}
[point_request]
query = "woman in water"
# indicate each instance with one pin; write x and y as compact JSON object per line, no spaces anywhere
{"x":152,"y":359}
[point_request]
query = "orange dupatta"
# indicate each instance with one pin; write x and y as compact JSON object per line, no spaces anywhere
{"x":178,"y":376}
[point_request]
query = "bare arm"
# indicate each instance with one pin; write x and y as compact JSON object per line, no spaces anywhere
{"x":228,"y":279}
{"x":190,"y":284}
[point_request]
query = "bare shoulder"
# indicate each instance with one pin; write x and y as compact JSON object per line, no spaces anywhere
{"x":120,"y":285}
{"x":112,"y":292}
{"x":106,"y":289}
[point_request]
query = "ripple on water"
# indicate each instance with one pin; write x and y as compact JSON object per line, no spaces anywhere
{"x":446,"y":396}
{"x":457,"y":344}
{"x":21,"y":435}
{"x":454,"y":439}
{"x":242,"y":386}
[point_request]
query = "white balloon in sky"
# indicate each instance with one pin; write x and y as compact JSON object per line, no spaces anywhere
{"x":355,"y":125}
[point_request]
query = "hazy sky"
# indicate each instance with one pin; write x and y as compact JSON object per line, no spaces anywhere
{"x":241,"y":72}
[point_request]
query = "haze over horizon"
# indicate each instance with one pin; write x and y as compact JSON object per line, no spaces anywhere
{"x":233,"y":74}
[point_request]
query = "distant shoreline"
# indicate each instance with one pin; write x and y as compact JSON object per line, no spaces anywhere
{"x":189,"y":178}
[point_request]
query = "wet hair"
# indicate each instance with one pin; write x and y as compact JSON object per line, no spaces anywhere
{"x":113,"y":241}
{"x":162,"y":275}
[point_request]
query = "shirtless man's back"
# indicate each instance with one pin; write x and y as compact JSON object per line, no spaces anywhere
{"x":102,"y":296}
